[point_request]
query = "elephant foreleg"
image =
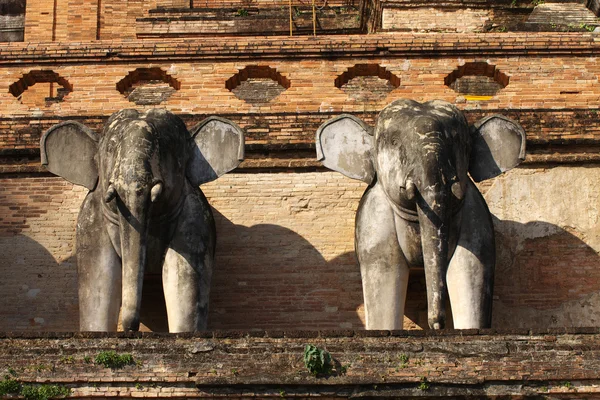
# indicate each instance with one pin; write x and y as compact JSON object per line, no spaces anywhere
{"x":470,"y":275}
{"x":187,"y":291}
{"x":99,"y":271}
{"x":187,"y":270}
{"x":383,"y":267}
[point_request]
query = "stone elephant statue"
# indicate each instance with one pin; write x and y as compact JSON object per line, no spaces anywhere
{"x":144,"y":211}
{"x":421,"y":208}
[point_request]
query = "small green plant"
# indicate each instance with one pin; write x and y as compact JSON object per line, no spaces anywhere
{"x":139,"y":386}
{"x":41,"y":367}
{"x":67,"y":360}
{"x":281,"y":393}
{"x":537,"y":2}
{"x":423,"y":384}
{"x":344,"y":369}
{"x":235,"y":372}
{"x":317,"y":360}
{"x":44,"y":392}
{"x":403,"y":360}
{"x":513,"y":3}
{"x":9,"y":386}
{"x":242,"y":12}
{"x":587,"y":27}
{"x":544,"y":389}
{"x":567,"y":384}
{"x":112,"y":360}
{"x":87,"y":359}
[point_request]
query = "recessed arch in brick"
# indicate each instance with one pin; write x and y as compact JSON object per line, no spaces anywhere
{"x":366,"y":82}
{"x":148,"y":86}
{"x":257,"y":84}
{"x":477,"y":79}
{"x":50,"y":88}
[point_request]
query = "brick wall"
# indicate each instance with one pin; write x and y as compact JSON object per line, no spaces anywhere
{"x":75,"y":20}
{"x":455,"y":20}
{"x":265,"y":3}
{"x":192,"y":23}
{"x":484,"y":16}
{"x":536,"y":82}
{"x":375,"y":364}
{"x":40,"y":24}
{"x":285,"y":253}
{"x":307,"y":212}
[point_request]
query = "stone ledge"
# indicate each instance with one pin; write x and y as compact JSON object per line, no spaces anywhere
{"x":571,"y":129}
{"x":302,"y":47}
{"x":267,"y":363}
{"x":296,"y":334}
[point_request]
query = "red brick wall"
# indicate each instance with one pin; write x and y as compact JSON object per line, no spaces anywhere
{"x":39,"y":23}
{"x":311,"y":279}
{"x":427,"y":19}
{"x":535,"y":83}
{"x":285,"y":252}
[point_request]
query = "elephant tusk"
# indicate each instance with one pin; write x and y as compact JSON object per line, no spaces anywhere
{"x":411,"y":190}
{"x":457,"y":190}
{"x":156,"y":191}
{"x":111,"y":193}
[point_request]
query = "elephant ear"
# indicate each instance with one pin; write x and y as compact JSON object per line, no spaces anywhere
{"x":345,"y":144}
{"x":498,"y":145}
{"x":68,"y":150}
{"x":217,"y":148}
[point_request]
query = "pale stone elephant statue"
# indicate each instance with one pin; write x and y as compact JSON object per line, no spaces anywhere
{"x":144,"y":211}
{"x":421,"y":208}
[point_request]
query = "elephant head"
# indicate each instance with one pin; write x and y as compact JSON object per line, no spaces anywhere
{"x":143,"y":175}
{"x":419,"y":157}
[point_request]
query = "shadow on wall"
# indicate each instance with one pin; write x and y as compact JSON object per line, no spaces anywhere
{"x":269,"y":277}
{"x":38,"y":293}
{"x":546,"y":276}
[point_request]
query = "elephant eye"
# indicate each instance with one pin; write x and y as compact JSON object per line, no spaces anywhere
{"x":394,"y":141}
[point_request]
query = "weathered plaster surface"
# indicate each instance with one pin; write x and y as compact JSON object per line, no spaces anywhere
{"x":548,"y":242}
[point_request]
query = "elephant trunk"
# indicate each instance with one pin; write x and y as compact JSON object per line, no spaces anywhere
{"x":433,"y":214}
{"x":134,"y":215}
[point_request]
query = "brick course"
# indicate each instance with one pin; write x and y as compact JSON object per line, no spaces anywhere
{"x":242,"y":364}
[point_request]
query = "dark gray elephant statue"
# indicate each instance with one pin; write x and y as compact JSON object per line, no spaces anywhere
{"x":421,"y":207}
{"x":144,"y":211}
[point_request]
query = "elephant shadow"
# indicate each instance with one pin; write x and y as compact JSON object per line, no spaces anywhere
{"x":269,"y":277}
{"x":546,"y":276}
{"x":38,"y":293}
{"x":266,"y":277}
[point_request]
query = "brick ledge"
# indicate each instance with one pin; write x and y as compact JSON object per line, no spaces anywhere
{"x":284,"y":47}
{"x":467,"y":363}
